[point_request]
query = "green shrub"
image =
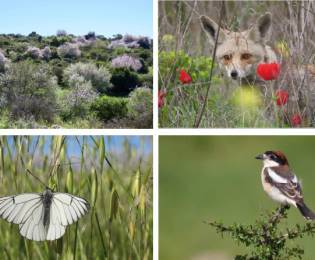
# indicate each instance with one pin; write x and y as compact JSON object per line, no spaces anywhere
{"x":124,"y":80}
{"x":58,"y":67}
{"x":140,"y":107}
{"x":146,"y":80}
{"x":108,"y":108}
{"x":28,"y":91}
{"x":60,"y":40}
{"x":64,"y":109}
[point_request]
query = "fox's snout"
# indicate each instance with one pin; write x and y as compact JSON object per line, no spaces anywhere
{"x":234,"y":74}
{"x":238,"y":65}
{"x":238,"y":70}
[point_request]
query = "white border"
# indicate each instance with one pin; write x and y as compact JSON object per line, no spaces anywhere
{"x":238,"y":131}
{"x":155,"y":131}
{"x":76,"y":132}
{"x":155,"y":197}
{"x":161,"y":132}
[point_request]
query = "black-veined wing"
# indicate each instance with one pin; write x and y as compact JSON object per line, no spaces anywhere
{"x":18,"y":208}
{"x":65,"y":210}
{"x":28,"y":210}
{"x":69,"y":207}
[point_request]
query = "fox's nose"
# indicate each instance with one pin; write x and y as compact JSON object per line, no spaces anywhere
{"x":234,"y":74}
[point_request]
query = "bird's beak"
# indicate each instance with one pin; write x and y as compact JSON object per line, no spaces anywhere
{"x":260,"y":157}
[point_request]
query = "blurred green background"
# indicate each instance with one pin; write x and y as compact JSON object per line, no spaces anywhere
{"x":217,"y":178}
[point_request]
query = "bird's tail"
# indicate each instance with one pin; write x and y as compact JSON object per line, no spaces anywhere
{"x":305,"y":211}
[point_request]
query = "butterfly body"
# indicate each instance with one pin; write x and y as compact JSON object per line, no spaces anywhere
{"x":43,"y":216}
{"x":47,"y":199}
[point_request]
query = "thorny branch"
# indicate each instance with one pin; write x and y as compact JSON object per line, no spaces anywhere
{"x":265,"y":238}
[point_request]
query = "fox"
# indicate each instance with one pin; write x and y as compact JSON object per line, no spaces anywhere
{"x":239,"y":53}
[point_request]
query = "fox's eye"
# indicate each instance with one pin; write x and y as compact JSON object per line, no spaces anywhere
{"x":246,"y":56}
{"x":227,"y":57}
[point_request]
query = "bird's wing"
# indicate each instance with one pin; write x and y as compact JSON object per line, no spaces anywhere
{"x":287,"y":184}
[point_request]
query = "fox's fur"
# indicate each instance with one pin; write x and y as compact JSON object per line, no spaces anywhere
{"x":239,"y":53}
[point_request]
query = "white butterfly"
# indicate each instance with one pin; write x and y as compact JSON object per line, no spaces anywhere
{"x":43,"y":216}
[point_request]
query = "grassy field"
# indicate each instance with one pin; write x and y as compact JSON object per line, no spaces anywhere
{"x":119,"y":223}
{"x":217,"y":178}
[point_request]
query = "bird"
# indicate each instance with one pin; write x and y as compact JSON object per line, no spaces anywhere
{"x":281,"y":184}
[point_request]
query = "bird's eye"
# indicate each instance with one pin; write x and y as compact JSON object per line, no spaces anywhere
{"x":273,"y":157}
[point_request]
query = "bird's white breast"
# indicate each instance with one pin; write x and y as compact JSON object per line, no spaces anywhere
{"x":274,"y":192}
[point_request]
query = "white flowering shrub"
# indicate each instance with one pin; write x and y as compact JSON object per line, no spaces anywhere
{"x":46,"y":53}
{"x":79,"y":98}
{"x":126,"y":61}
{"x":3,"y":62}
{"x":34,"y":52}
{"x":83,"y":42}
{"x":69,"y":50}
{"x":99,"y":77}
{"x":130,"y":41}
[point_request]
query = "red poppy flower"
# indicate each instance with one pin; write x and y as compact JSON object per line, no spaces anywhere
{"x":162,"y":95}
{"x":282,"y":97}
{"x":184,"y":77}
{"x":268,"y":71}
{"x":296,"y":120}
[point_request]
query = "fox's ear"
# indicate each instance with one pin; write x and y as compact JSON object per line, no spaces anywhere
{"x":261,"y":29}
{"x":211,"y":28}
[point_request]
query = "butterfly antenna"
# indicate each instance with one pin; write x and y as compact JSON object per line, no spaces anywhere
{"x":56,"y":157}
{"x":29,"y":172}
{"x":38,"y":179}
{"x":109,"y":164}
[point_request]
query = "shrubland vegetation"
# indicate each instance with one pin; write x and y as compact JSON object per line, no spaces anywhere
{"x":66,"y":81}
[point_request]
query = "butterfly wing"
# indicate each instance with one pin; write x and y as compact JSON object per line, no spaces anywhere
{"x":33,"y":226}
{"x":16,"y":209}
{"x":65,"y":210}
{"x":26,"y":210}
{"x":70,"y":207}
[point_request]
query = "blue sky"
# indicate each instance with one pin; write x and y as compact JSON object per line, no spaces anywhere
{"x":107,"y":17}
{"x":142,"y":144}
